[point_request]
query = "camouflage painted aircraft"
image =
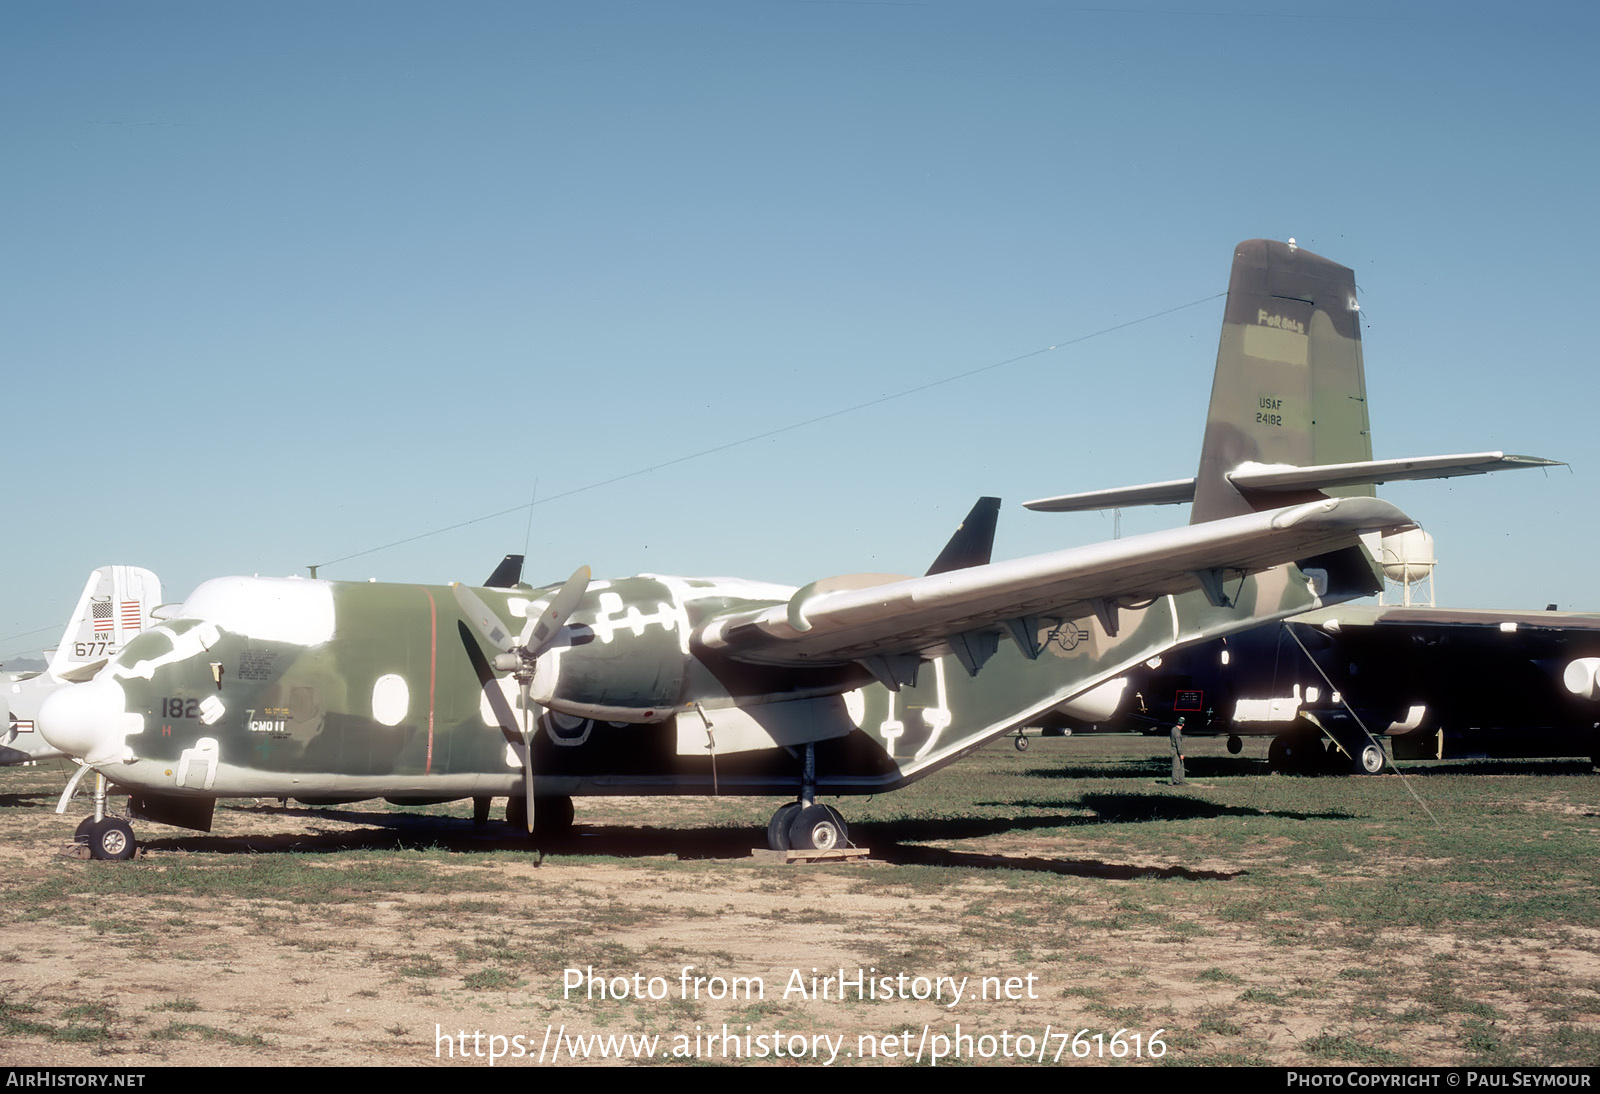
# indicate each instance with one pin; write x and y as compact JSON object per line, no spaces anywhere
{"x":115,"y":605}
{"x":333,"y":691}
{"x":1257,"y":440}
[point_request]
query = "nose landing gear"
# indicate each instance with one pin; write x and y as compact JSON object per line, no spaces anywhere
{"x":110,"y":839}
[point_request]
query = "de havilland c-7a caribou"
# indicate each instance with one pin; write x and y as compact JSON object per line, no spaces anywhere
{"x":327,"y":691}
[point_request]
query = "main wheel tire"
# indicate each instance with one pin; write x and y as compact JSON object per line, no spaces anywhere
{"x":1335,"y":760}
{"x":85,"y":830}
{"x":1369,"y":759}
{"x":817,"y":828}
{"x":778,"y":826}
{"x":517,"y":812}
{"x":112,"y":840}
{"x":1235,"y":745}
{"x":1297,"y":754}
{"x":1022,"y":744}
{"x":552,"y":816}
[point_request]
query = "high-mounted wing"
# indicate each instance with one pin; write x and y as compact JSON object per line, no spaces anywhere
{"x":830,"y":626}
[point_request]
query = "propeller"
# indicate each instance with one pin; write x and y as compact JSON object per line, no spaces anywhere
{"x":520,"y":655}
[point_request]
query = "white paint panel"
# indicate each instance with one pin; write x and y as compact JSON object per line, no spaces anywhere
{"x":1268,"y":710}
{"x":1097,"y":704}
{"x":391,"y":699}
{"x":1275,"y":344}
{"x":273,"y":609}
{"x":508,"y":688}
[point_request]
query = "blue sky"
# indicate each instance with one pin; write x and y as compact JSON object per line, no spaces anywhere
{"x":286,"y":282}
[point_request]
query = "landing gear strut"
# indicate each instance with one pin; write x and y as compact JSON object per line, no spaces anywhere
{"x":804,"y":825}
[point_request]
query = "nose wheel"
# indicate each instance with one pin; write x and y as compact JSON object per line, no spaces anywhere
{"x":110,"y":839}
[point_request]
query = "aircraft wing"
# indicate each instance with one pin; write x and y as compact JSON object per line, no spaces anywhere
{"x":820,"y":626}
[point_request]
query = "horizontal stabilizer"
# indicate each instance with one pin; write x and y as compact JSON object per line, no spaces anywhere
{"x":1287,"y":478}
{"x":1175,"y":492}
{"x":917,"y":615}
{"x":1284,"y":477}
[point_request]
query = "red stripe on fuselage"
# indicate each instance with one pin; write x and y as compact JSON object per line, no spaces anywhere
{"x":433,"y":672}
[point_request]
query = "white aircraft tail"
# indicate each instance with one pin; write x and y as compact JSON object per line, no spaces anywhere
{"x":115,"y":605}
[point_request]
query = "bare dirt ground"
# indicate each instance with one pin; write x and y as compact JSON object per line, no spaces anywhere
{"x":353,"y":936}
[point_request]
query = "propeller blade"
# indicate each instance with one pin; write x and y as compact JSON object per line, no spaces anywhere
{"x":541,"y":632}
{"x":482,"y":618}
{"x":527,"y":752}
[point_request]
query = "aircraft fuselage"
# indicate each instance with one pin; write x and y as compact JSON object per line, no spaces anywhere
{"x":329,"y":690}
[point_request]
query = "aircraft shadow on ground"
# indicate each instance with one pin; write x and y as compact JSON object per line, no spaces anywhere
{"x":1203,"y":767}
{"x":1222,"y":767}
{"x":896,"y":842}
{"x":1540,"y":767}
{"x":42,"y":799}
{"x":683,"y":844}
{"x":1116,"y":808}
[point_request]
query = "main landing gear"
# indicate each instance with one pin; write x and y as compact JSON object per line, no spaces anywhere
{"x":552,"y":815}
{"x":806,"y":825}
{"x":1306,"y":752}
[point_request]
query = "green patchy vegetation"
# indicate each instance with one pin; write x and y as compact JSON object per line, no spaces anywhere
{"x":492,"y":980}
{"x":174,"y":1031}
{"x":1330,"y":1048}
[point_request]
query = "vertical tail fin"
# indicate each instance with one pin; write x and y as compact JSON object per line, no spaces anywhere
{"x":115,"y":605}
{"x":1290,"y":387}
{"x":973,"y":542}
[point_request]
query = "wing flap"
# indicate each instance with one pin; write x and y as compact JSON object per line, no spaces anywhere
{"x":918,"y":615}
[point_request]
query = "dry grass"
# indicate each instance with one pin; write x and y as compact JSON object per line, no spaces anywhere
{"x":1251,"y":918}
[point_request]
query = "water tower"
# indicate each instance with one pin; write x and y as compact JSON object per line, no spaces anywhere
{"x":1408,"y":561}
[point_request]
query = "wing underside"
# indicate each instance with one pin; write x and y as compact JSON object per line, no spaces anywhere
{"x":929,"y":615}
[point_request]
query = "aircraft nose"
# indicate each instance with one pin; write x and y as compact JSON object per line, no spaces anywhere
{"x":89,"y":721}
